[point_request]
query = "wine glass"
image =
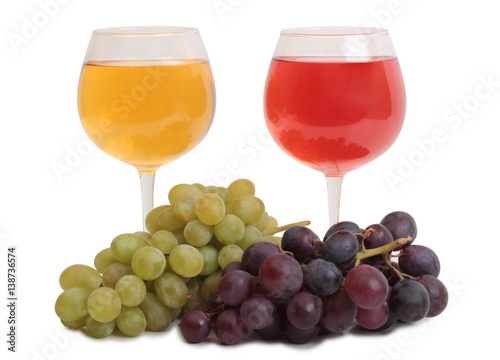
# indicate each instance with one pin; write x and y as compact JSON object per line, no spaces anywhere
{"x":334,"y":99}
{"x":146,"y":96}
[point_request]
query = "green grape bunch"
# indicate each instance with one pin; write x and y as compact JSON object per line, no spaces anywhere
{"x":143,"y":280}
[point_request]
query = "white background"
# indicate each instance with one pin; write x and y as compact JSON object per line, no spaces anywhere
{"x":446,"y":49}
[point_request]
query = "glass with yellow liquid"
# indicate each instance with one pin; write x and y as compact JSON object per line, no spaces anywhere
{"x":146,"y":96}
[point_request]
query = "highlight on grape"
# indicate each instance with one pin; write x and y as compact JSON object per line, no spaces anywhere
{"x":211,"y":260}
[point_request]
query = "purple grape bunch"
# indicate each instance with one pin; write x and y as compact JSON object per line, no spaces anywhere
{"x":311,"y":287}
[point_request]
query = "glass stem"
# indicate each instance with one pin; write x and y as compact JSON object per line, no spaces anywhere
{"x":333,"y":186}
{"x":147,"y":191}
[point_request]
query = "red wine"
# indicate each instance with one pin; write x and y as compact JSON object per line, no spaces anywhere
{"x":332,"y":114}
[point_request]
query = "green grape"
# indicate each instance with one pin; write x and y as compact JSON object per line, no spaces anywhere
{"x":168,"y":269}
{"x":98,"y":329}
{"x":223,"y":193}
{"x":158,"y":316}
{"x":103,"y":259}
{"x":183,"y":191}
{"x":168,"y":220}
{"x":175,"y":313}
{"x":210,"y":262}
{"x":131,"y":290}
{"x":263,"y":222}
{"x":144,"y":235}
{"x":114,"y":272}
{"x":125,"y":245}
{"x":210,"y":284}
{"x":229,"y":254}
{"x":150,"y":286}
{"x":104,"y":304}
{"x":80,"y":276}
{"x":241,"y":187}
{"x":186,"y":261}
{"x":274,"y":239}
{"x":75,"y":325}
{"x":148,"y":263}
{"x":194,"y":288}
{"x":171,"y":290}
{"x":71,"y":305}
{"x":230,"y":230}
{"x":248,"y":208}
{"x":273,"y":223}
{"x":179,"y":235}
{"x":197,"y":233}
{"x":151,"y":220}
{"x":216,"y":243}
{"x":202,"y":187}
{"x":185,"y":209}
{"x":210,"y":209}
{"x":131,"y":321}
{"x":211,"y":188}
{"x":252,"y":235}
{"x":164,"y":240}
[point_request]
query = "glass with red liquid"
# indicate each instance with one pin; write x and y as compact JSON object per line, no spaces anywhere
{"x":334,"y":99}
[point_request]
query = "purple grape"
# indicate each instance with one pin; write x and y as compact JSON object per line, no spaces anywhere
{"x":391,"y":320}
{"x":353,"y":228}
{"x":281,"y":303}
{"x":257,"y":312}
{"x":376,"y":262}
{"x":255,"y":254}
{"x":304,"y":310}
{"x":400,"y":224}
{"x":379,"y":237}
{"x":345,"y":269}
{"x":235,"y":265}
{"x":366,"y":286}
{"x":416,"y":260}
{"x":260,"y":290}
{"x":300,"y":336}
{"x":438,"y":294}
{"x":372,"y":319}
{"x":280,"y":276}
{"x":229,"y":328}
{"x":322,"y":277}
{"x":409,"y":300}
{"x":339,"y":311}
{"x":275,"y":329}
{"x":392,"y":276}
{"x":301,"y":241}
{"x":213,"y":302}
{"x":340,"y":248}
{"x":195,"y":326}
{"x":235,"y":287}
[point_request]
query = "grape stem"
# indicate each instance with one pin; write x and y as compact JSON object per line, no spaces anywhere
{"x":400,"y":274}
{"x":365,"y":234}
{"x":279,"y":229}
{"x":216,"y":311}
{"x":381,"y":250}
{"x":196,"y":304}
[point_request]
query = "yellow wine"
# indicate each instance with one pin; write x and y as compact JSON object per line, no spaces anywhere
{"x":146,"y":113}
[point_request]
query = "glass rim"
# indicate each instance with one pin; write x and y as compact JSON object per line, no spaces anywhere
{"x":145,"y":31}
{"x":333,"y":31}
